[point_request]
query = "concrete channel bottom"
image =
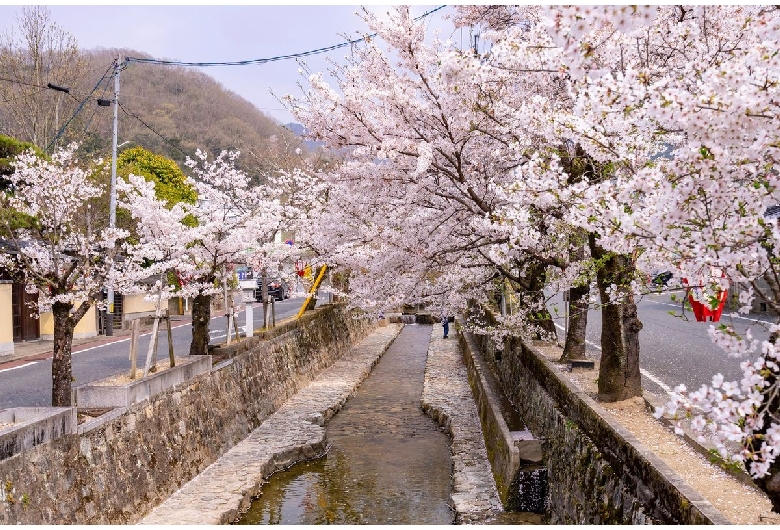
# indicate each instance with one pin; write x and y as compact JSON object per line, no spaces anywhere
{"x":388,"y":463}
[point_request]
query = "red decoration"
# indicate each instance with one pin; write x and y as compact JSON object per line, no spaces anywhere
{"x":702,"y":310}
{"x":300,"y":267}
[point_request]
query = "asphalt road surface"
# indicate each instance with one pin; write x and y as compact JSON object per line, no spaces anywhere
{"x":29,"y":385}
{"x":675,"y":350}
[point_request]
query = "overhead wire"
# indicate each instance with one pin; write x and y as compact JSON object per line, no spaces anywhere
{"x":22,"y":96}
{"x":268,"y":59}
{"x":62,"y":129}
{"x":133,"y":115}
{"x":94,"y":110}
{"x":18,"y":82}
{"x":142,"y":60}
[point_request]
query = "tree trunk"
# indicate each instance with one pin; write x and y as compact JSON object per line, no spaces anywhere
{"x":201,"y":316}
{"x":574,"y":348}
{"x":770,"y":483}
{"x":535,"y":274}
{"x":579,"y":304}
{"x":61,"y":365}
{"x":619,"y":376}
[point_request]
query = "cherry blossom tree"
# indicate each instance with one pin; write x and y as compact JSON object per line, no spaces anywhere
{"x":703,"y":80}
{"x":570,"y":113}
{"x":414,"y":211}
{"x":53,"y":247}
{"x":232,"y":222}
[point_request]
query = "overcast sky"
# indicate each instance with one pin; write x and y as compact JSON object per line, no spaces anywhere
{"x":216,"y":34}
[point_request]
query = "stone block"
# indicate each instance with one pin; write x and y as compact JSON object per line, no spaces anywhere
{"x":97,"y":395}
{"x":31,"y":426}
{"x":529,"y":448}
{"x":585,"y":364}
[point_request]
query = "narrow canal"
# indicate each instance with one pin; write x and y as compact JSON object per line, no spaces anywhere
{"x":388,"y":463}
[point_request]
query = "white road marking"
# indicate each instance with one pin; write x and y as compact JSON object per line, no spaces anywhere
{"x":642,"y":371}
{"x":124,"y":340}
{"x":20,"y":366}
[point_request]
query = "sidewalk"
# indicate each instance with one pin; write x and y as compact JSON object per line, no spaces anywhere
{"x":293,"y":433}
{"x":37,"y":350}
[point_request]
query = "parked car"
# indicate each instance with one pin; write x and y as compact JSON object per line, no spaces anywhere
{"x":277,"y":288}
{"x":661,"y":279}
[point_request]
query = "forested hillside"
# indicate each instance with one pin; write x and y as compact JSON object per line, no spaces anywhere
{"x":171,"y":111}
{"x":175,"y":110}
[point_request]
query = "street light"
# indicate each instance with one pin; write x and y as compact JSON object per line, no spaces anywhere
{"x":60,"y":89}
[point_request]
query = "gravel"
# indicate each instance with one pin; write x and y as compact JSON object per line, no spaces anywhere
{"x":740,"y":503}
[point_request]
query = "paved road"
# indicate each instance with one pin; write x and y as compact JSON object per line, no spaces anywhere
{"x":674,"y":350}
{"x":29,"y":385}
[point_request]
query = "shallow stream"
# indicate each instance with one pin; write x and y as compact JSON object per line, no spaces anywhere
{"x":388,"y":463}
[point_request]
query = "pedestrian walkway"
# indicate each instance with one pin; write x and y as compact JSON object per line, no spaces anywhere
{"x":448,"y":399}
{"x":296,"y":432}
{"x":293,"y":433}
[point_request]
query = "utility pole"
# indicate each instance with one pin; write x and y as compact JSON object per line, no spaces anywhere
{"x":112,"y":199}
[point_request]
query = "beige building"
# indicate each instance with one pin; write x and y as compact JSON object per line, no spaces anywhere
{"x":86,"y":327}
{"x":6,"y":318}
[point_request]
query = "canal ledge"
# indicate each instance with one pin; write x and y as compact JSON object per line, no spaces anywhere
{"x":292,"y":434}
{"x":597,"y":471}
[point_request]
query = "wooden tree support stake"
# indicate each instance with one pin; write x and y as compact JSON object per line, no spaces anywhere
{"x":135,"y":331}
{"x":152,"y":353}
{"x":170,"y":338}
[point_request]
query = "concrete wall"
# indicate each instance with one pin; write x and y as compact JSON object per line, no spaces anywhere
{"x":31,"y":426}
{"x":598,"y":473}
{"x":515,"y":455}
{"x":122,"y":464}
{"x":6,"y":318}
{"x":134,"y":306}
{"x":86,"y":327}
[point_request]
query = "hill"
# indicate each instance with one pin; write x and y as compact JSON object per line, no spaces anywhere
{"x":169,"y":110}
{"x":299,"y":130}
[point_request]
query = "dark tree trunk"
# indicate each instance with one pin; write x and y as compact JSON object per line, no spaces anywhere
{"x":769,"y":484}
{"x":574,"y":348}
{"x":579,"y":303}
{"x":61,"y":365}
{"x":201,"y":316}
{"x":619,"y":376}
{"x":536,"y":274}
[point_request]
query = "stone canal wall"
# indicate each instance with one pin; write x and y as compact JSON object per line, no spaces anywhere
{"x":122,"y":464}
{"x":598,"y":473}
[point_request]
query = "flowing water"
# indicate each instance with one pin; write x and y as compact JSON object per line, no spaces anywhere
{"x":388,"y":463}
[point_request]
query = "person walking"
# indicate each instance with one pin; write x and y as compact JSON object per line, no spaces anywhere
{"x":445,"y":321}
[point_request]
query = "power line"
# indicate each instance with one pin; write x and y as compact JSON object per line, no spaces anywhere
{"x":79,"y":108}
{"x":95,"y":109}
{"x":204,"y":64}
{"x":22,"y":96}
{"x":132,"y":115}
{"x":268,"y":59}
{"x":33,"y":85}
{"x":18,"y":82}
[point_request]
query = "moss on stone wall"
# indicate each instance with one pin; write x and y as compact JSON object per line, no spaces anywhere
{"x":116,"y":473}
{"x":596,"y":473}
